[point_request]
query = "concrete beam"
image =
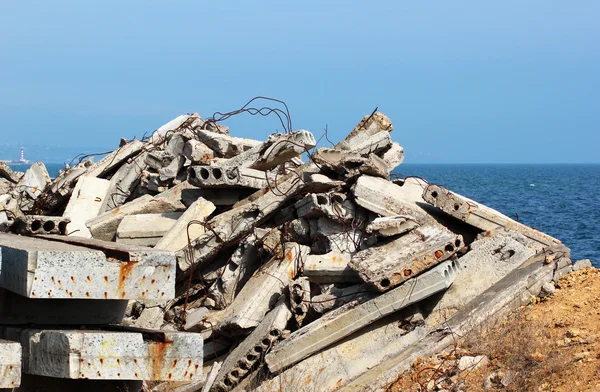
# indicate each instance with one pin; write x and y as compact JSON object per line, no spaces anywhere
{"x":198,"y":152}
{"x":145,"y":229}
{"x":387,"y":265}
{"x":262,"y":290}
{"x":481,"y":216}
{"x":335,"y":297}
{"x":40,"y":224}
{"x":218,"y":176}
{"x":330,"y":268}
{"x":390,"y":226}
{"x":386,"y":198}
{"x":38,"y":268}
{"x":10,"y":364}
{"x":225,"y":145}
{"x":85,"y":203}
{"x":109,"y":355}
{"x":104,"y":226}
{"x":112,"y":161}
{"x":241,"y":360}
{"x":176,"y":238}
{"x":342,"y":322}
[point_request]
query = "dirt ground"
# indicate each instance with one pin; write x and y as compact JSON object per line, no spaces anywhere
{"x":553,"y":344}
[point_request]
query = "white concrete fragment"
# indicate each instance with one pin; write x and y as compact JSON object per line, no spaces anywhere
{"x":582,"y":264}
{"x":38,"y":268}
{"x":160,"y":135}
{"x":334,"y":205}
{"x":124,"y":181}
{"x":114,"y":160}
{"x":176,"y":238}
{"x":342,"y":322}
{"x":392,"y":225}
{"x":198,"y":152}
{"x":109,"y":355}
{"x":472,"y":363}
{"x":34,"y":180}
{"x":225,"y":145}
{"x":262,"y":290}
{"x":145,"y":229}
{"x":394,"y":156}
{"x":10,"y":364}
{"x":330,"y":268}
{"x":387,"y":265}
{"x":104,"y":226}
{"x":85,"y":203}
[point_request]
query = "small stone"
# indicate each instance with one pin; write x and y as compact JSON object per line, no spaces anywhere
{"x":508,"y":378}
{"x":151,"y":318}
{"x":581,"y":356}
{"x":571,"y":333}
{"x":538,"y":356}
{"x":581,"y":264}
{"x":472,"y":363}
{"x":548,"y":289}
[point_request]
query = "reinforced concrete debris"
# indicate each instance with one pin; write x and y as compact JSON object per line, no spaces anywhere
{"x":224,"y":263}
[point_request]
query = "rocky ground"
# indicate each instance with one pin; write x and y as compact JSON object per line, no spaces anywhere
{"x":553,"y":344}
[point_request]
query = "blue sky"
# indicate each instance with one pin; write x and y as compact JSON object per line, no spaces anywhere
{"x":463,"y":82}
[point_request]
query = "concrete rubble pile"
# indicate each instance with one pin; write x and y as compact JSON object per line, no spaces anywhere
{"x":200,"y":261}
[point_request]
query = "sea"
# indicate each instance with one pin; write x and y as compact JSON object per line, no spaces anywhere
{"x":562,"y":200}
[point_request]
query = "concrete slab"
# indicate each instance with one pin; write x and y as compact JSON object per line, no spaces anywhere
{"x":85,"y":203}
{"x":342,"y":322}
{"x":176,"y":237}
{"x":241,"y":360}
{"x":198,"y":152}
{"x":10,"y":364}
{"x":38,"y":268}
{"x":390,"y":226}
{"x":334,"y":205}
{"x":481,"y":216}
{"x":386,"y":265}
{"x":219,"y":176}
{"x":104,"y":226}
{"x":109,"y":355}
{"x":264,"y":288}
{"x":225,"y":145}
{"x":146,"y":229}
{"x":40,"y":224}
{"x":112,"y":161}
{"x":124,"y":181}
{"x":334,"y":297}
{"x":184,"y":122}
{"x":369,"y":126}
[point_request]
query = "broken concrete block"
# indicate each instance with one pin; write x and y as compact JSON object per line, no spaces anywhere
{"x":176,"y":238}
{"x":386,"y":199}
{"x":179,"y":123}
{"x":480,"y":216}
{"x":472,"y":363}
{"x":9,"y":174}
{"x":335,"y":297}
{"x":124,"y":181}
{"x":10,"y":364}
{"x":369,"y":126}
{"x":85,"y":203}
{"x":393,"y":157}
{"x":225,"y":145}
{"x":387,"y":265}
{"x":334,"y":205}
{"x":212,"y":375}
{"x":342,"y":322}
{"x":39,"y":268}
{"x":198,"y":152}
{"x":548,"y":290}
{"x":299,"y":294}
{"x":282,"y":148}
{"x":171,"y":170}
{"x":330,"y":268}
{"x":40,"y":224}
{"x":263,"y":289}
{"x":332,"y":236}
{"x":344,"y":164}
{"x":241,"y":360}
{"x":16,"y":309}
{"x":152,"y":317}
{"x":115,"y":159}
{"x":109,"y":355}
{"x":374,"y":144}
{"x":34,"y":180}
{"x":582,"y":264}
{"x":223,"y":177}
{"x":104,"y":226}
{"x":145,"y":229}
{"x":392,"y":225}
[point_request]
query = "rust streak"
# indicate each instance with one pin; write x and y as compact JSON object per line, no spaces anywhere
{"x":157,"y":353}
{"x":125,"y":269}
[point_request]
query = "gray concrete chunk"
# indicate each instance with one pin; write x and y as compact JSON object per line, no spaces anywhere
{"x":124,"y":181}
{"x":109,"y":355}
{"x":145,"y":229}
{"x":387,"y":265}
{"x":342,"y":322}
{"x":225,"y":145}
{"x":114,"y":160}
{"x":218,"y":176}
{"x":33,"y":181}
{"x":392,"y":225}
{"x":330,"y":268}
